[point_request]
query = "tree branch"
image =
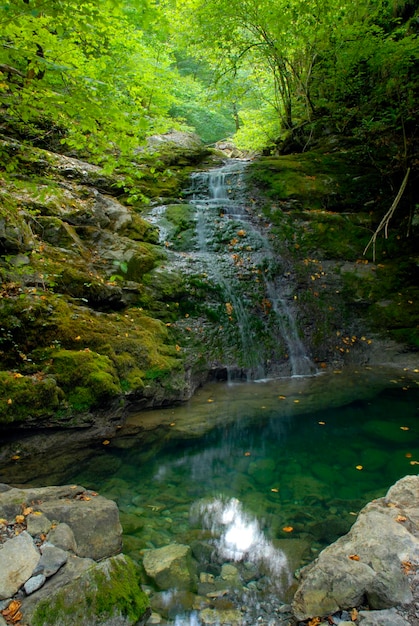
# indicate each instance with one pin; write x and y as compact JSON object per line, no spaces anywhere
{"x":387,"y":217}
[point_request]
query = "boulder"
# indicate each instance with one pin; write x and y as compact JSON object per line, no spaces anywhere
{"x":104,"y":594}
{"x":94,"y":522}
{"x":372,"y":561}
{"x":18,"y":559}
{"x":170,"y":567}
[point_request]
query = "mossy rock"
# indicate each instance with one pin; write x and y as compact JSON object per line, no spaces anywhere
{"x":87,"y":378}
{"x":143,"y":260}
{"x":141,"y":230}
{"x":317,"y":179}
{"x":26,"y":399}
{"x":107,"y":593}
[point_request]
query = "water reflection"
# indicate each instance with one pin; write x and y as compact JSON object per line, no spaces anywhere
{"x":239,"y":537}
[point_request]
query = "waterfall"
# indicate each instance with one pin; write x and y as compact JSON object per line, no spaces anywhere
{"x":236,"y":250}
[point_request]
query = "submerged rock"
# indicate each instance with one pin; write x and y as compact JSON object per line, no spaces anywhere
{"x":170,"y":567}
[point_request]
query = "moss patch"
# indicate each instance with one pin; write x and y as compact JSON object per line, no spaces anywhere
{"x":87,"y":378}
{"x":27,"y":398}
{"x":105,"y":591}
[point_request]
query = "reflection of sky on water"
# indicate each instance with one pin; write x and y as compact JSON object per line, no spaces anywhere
{"x":239,"y":537}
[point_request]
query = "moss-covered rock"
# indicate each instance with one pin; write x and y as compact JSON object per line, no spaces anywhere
{"x":27,"y":399}
{"x":87,"y":378}
{"x":105,"y":594}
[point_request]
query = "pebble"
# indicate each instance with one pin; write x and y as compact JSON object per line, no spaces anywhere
{"x":34,"y":583}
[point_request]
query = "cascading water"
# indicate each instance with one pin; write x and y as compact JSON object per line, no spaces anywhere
{"x":235,"y":246}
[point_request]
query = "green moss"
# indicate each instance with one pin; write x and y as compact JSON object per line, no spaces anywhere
{"x":142,"y":261}
{"x":317,"y":179}
{"x":88,"y":378}
{"x":27,"y":398}
{"x":105,"y":591}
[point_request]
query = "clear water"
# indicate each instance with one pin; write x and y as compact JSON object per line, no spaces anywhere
{"x":258,"y":475}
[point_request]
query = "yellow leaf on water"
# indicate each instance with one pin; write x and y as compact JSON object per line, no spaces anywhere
{"x":106,"y":442}
{"x":322,"y":423}
{"x":359,"y":467}
{"x":404,"y":428}
{"x":275,"y":490}
{"x":288,"y":529}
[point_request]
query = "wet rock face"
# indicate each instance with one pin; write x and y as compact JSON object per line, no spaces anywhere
{"x":374,"y":561}
{"x":51,"y":540}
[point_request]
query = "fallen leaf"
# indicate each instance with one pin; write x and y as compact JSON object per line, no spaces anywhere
{"x":406,"y":566}
{"x":275,"y":490}
{"x":282,"y":397}
{"x":404,"y":428}
{"x":27,"y":510}
{"x":408,"y":455}
{"x":354,"y":557}
{"x":359,"y":467}
{"x":247,"y":454}
{"x":414,"y":462}
{"x":19,"y":519}
{"x":322,"y":423}
{"x":11,"y":610}
{"x":314,"y":622}
{"x":172,"y":424}
{"x":354,"y":614}
{"x":288,"y":529}
{"x":401,"y":518}
{"x":15,"y":457}
{"x":106,"y":442}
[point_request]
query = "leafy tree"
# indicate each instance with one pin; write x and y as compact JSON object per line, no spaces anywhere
{"x":87,"y":69}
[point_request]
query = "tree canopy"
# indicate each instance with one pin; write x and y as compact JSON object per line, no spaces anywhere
{"x":104,"y":77}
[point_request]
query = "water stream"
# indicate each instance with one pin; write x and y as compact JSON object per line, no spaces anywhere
{"x":250,"y":285}
{"x":258,"y":476}
{"x":222,"y":205}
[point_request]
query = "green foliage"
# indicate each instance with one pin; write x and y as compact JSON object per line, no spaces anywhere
{"x":87,"y":70}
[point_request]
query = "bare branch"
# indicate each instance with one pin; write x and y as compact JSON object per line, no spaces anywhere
{"x":387,"y":217}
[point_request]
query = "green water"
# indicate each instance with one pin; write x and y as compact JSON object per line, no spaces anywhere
{"x":309,"y":470}
{"x":292,"y":470}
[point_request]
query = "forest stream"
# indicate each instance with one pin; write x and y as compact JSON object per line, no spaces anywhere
{"x":260,"y":472}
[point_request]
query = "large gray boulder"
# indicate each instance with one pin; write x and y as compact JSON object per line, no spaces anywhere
{"x":372,"y":561}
